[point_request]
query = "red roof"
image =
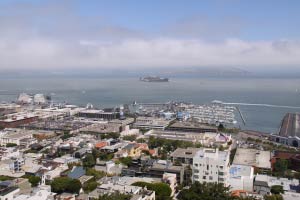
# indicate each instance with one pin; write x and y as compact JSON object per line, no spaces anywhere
{"x":152,"y":151}
{"x":100,"y":145}
{"x":143,"y":146}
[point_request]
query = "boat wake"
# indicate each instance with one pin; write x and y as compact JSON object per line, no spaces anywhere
{"x":263,"y":105}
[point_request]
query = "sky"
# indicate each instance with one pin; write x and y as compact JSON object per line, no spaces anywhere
{"x":256,"y":35}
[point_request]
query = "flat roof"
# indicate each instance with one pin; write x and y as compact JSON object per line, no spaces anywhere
{"x":185,"y":153}
{"x":252,"y":157}
{"x":237,"y":171}
{"x":191,"y":125}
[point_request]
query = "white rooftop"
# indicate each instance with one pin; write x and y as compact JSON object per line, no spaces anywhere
{"x":253,"y":157}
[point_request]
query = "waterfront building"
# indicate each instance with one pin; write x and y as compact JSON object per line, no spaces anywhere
{"x":99,"y":114}
{"x":151,"y":123}
{"x":17,"y":119}
{"x":191,"y":127}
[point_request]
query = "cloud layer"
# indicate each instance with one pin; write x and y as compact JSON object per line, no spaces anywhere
{"x":138,"y":53}
{"x":51,"y":37}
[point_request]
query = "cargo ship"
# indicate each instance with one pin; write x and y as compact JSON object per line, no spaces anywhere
{"x":154,"y":79}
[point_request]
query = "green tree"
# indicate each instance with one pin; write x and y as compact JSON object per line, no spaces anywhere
{"x":96,"y":174}
{"x":89,"y":186}
{"x":110,"y":135}
{"x":277,"y":189}
{"x":115,"y":196}
{"x":162,"y":190}
{"x":5,"y":178}
{"x":11,"y":145}
{"x":34,"y":180}
{"x":206,"y":191}
{"x":273,"y":197}
{"x":141,"y":140}
{"x":130,"y":137}
{"x":126,"y":161}
{"x":221,"y":127}
{"x":65,"y":184}
{"x":280,"y":167}
{"x":66,"y":135}
{"x":89,"y":161}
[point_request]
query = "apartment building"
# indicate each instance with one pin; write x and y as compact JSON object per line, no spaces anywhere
{"x":211,"y":165}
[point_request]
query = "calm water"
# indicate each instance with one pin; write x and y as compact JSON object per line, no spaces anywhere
{"x":112,"y":92}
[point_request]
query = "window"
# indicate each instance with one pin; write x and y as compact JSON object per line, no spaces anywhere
{"x":196,"y":165}
{"x":204,"y":177}
{"x":207,"y":167}
{"x":210,"y":178}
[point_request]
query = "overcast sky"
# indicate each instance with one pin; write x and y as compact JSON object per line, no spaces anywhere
{"x":251,"y":35}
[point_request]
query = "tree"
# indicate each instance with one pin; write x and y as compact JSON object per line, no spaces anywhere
{"x":277,"y":189}
{"x":130,"y":137}
{"x":34,"y":180}
{"x":280,"y":167}
{"x":140,"y":140}
{"x":115,"y":196}
{"x":232,"y":154}
{"x":66,"y":135}
{"x":96,"y":174}
{"x":297,"y":175}
{"x":273,"y":197}
{"x":65,"y":184}
{"x":110,"y":135}
{"x":162,"y":190}
{"x":89,"y":161}
{"x":206,"y":191}
{"x":89,"y":186}
{"x":126,"y":161}
{"x":221,"y":127}
{"x":11,"y":145}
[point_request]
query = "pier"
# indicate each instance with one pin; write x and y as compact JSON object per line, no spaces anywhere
{"x":242,"y":117}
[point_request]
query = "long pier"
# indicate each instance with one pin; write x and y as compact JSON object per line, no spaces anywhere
{"x":242,"y":117}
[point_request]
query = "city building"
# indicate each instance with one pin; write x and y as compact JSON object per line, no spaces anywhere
{"x":188,"y":126}
{"x":211,"y":165}
{"x":184,"y":156}
{"x":12,"y":167}
{"x":289,"y":133}
{"x":160,"y":167}
{"x":263,"y":183}
{"x":8,"y":191}
{"x":101,"y":128}
{"x":260,"y":160}
{"x":241,"y":177}
{"x":291,"y":157}
{"x":121,"y":187}
{"x":14,"y":136}
{"x":128,"y":132}
{"x":151,"y":123}
{"x":17,"y":119}
{"x":100,"y":114}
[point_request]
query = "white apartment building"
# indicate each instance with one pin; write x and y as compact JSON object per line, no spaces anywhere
{"x":241,"y":177}
{"x":211,"y":165}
